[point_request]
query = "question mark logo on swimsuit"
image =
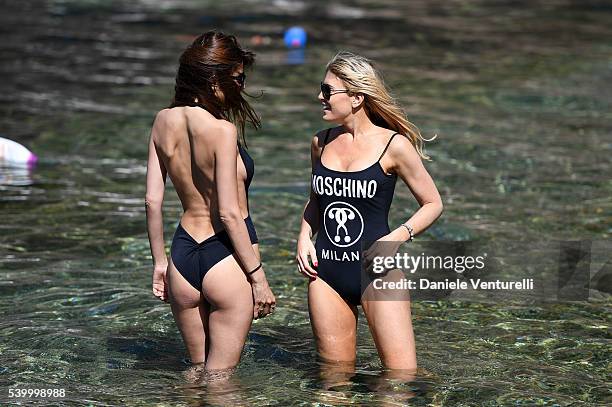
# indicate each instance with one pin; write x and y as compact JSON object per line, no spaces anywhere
{"x":343,"y":224}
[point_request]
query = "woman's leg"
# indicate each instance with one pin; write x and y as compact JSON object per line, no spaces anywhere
{"x":227,"y":290}
{"x":390,"y":323}
{"x":189,"y":310}
{"x":333,"y":321}
{"x":334,"y":324}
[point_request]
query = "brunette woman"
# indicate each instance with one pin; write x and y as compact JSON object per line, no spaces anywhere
{"x":213,"y":278}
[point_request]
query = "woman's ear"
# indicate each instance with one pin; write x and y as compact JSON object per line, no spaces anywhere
{"x":357,"y":99}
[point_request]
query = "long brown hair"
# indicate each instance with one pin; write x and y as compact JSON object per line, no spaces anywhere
{"x":209,"y":61}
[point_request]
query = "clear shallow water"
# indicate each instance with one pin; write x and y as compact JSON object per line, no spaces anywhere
{"x":518,"y":93}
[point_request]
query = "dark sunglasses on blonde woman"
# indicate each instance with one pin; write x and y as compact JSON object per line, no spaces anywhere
{"x":327,"y":91}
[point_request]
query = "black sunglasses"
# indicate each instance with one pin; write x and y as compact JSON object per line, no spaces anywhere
{"x":327,"y":91}
{"x":240,"y":78}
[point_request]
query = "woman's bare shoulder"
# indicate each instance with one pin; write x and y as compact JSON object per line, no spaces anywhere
{"x":167,"y":122}
{"x":203,"y":124}
{"x":319,"y":139}
{"x":168,"y":117}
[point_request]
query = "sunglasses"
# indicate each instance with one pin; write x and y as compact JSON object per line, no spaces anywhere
{"x":327,"y":91}
{"x":240,"y":78}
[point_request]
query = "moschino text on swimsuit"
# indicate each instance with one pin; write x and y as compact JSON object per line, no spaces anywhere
{"x":343,"y":187}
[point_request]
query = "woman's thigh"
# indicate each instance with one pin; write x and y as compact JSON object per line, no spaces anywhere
{"x":227,"y":290}
{"x":188,"y":309}
{"x":390,"y":323}
{"x":334,"y":322}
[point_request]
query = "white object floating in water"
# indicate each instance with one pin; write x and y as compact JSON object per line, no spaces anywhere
{"x":14,"y":154}
{"x":19,"y":176}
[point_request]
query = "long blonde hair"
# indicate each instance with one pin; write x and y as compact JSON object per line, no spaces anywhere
{"x":360,"y":76}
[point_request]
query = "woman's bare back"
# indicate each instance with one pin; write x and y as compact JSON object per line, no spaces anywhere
{"x":174,"y":133}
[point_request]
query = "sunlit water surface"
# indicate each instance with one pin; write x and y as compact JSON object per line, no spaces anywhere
{"x":518,"y":93}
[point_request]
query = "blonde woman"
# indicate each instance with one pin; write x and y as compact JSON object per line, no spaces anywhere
{"x":354,"y":170}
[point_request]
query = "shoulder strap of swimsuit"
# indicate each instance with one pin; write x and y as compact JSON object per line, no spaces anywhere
{"x":324,"y":144}
{"x":325,"y":141}
{"x":387,"y":146}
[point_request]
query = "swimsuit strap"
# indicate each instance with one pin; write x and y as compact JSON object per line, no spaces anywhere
{"x":387,"y":146}
{"x":325,"y":141}
{"x":324,"y":144}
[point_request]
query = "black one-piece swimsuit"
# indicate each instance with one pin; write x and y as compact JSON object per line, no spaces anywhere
{"x":192,"y":259}
{"x":353,"y":208}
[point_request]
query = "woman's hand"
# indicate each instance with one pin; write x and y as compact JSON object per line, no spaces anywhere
{"x":264,"y":301}
{"x":384,"y":247}
{"x":306,"y":249}
{"x":160,"y":287}
{"x":393,"y":240}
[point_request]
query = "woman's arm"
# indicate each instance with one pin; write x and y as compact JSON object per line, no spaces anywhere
{"x":408,"y":165}
{"x":156,"y":183}
{"x":225,"y":173}
{"x":310,"y":215}
{"x":226,"y":158}
{"x":310,"y":223}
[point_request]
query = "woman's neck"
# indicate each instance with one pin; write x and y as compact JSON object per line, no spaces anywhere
{"x":358,"y":124}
